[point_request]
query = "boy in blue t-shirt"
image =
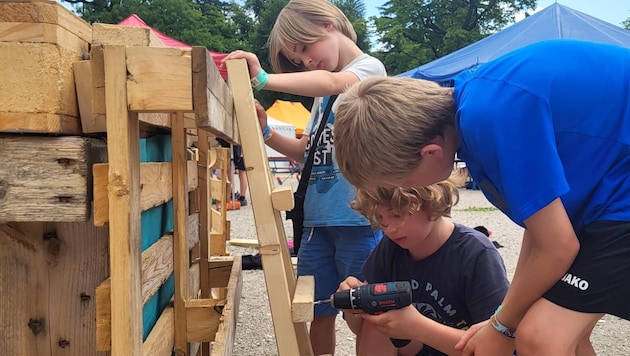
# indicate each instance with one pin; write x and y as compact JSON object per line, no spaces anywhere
{"x":545,"y":133}
{"x":457,"y":275}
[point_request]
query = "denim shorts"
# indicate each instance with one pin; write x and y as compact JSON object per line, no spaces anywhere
{"x":598,"y":281}
{"x":331,"y":254}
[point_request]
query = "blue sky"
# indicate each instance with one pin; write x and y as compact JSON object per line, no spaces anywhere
{"x":613,"y":11}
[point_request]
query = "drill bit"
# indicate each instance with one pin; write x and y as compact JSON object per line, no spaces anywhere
{"x":322,"y":301}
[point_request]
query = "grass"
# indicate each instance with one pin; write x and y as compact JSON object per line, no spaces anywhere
{"x":480,"y":208}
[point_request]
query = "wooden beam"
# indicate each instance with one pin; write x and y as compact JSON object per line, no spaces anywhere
{"x":46,"y":178}
{"x":245,"y":242}
{"x":180,"y":248}
{"x":224,"y":339}
{"x":160,"y":79}
{"x":292,"y":337}
{"x":302,"y":306}
{"x":204,"y":211}
{"x":107,"y":34}
{"x":155,"y":186}
{"x":45,"y":123}
{"x":282,"y":198}
{"x":212,"y":98}
{"x":124,"y":213}
{"x":48,"y":12}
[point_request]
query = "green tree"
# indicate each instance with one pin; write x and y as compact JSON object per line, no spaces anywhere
{"x":217,"y":26}
{"x":626,"y":24}
{"x":413,"y":32}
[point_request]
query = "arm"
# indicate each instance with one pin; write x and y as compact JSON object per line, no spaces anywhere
{"x":291,"y":147}
{"x":312,"y":83}
{"x":408,"y":323}
{"x":548,"y":249}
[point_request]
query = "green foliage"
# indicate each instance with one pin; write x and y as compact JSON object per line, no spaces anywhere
{"x":413,"y":32}
{"x":217,"y":26}
{"x":626,"y":23}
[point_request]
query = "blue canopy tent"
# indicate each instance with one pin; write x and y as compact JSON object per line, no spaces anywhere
{"x":555,"y":21}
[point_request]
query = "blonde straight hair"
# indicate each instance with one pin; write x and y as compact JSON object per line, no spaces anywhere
{"x":301,"y":22}
{"x":382,"y":124}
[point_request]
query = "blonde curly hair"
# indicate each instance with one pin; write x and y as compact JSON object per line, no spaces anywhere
{"x":435,"y":200}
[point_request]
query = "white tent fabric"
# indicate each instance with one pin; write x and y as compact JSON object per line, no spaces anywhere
{"x":281,"y":128}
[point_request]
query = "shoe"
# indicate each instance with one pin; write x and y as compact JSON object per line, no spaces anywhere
{"x":241,"y":199}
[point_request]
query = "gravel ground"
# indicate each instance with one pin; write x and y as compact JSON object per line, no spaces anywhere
{"x":254,"y":331}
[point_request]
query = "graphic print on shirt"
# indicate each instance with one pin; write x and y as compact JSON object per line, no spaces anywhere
{"x":324,"y":173}
{"x":436,"y":306}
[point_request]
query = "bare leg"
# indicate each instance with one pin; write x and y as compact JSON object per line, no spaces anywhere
{"x":242,"y":179}
{"x":322,"y":335}
{"x":549,"y":329}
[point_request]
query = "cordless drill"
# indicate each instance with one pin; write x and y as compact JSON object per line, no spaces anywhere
{"x":372,"y":298}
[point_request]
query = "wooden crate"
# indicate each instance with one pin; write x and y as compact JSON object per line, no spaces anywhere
{"x":39,"y":42}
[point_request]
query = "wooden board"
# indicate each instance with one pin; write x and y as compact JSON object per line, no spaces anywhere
{"x":155,"y":186}
{"x":47,"y":178}
{"x":212,"y":98}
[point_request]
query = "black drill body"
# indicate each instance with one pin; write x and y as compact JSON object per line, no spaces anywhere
{"x":374,"y":298}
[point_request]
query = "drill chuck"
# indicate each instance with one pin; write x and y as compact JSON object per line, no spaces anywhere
{"x":374,"y":298}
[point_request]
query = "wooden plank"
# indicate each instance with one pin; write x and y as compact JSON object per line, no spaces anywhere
{"x":160,"y":340}
{"x":224,"y":339}
{"x":160,"y":79}
{"x":180,"y":248}
{"x":107,"y":34}
{"x":244,"y":242}
{"x":124,"y":213}
{"x":212,"y":99}
{"x":42,"y":33}
{"x":90,"y":122}
{"x":218,"y":219}
{"x":155,"y":186}
{"x":48,"y":12}
{"x":205,"y":198}
{"x":282,"y":198}
{"x":220,"y":268}
{"x":203,"y":319}
{"x":38,"y":78}
{"x":103,"y":316}
{"x":77,"y":260}
{"x":302,"y":306}
{"x":46,"y":178}
{"x":292,"y":338}
{"x":40,"y":123}
{"x":24,"y":285}
{"x":157,"y":266}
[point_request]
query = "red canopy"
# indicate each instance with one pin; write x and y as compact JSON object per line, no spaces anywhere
{"x":134,"y":20}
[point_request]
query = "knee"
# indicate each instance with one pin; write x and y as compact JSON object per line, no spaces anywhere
{"x":535,"y":340}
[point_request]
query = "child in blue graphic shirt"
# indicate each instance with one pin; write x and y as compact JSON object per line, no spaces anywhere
{"x":456,"y":273}
{"x":313,"y":50}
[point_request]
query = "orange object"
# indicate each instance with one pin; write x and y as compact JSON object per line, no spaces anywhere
{"x":233,"y":205}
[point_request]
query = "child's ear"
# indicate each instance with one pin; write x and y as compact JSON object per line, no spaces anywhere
{"x":329,"y":27}
{"x":432,"y":150}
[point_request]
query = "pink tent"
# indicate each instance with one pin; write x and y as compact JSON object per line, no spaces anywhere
{"x":134,"y":20}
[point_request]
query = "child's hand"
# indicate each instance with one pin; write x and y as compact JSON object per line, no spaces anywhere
{"x":252,"y":61}
{"x":398,"y":323}
{"x":261,"y":114}
{"x":350,"y":282}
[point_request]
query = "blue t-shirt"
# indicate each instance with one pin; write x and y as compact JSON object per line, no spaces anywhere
{"x":459,"y":285}
{"x":550,"y":120}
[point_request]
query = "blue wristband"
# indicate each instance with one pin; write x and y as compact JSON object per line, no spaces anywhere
{"x":267,"y":133}
{"x":496,"y":324}
{"x":260,"y":80}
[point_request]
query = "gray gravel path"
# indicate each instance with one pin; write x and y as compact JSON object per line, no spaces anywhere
{"x":254,"y":331}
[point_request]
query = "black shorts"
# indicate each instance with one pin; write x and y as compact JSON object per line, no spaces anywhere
{"x":237,"y":154}
{"x":598,"y":281}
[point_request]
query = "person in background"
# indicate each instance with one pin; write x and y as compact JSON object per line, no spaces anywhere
{"x":456,"y":274}
{"x":548,"y":143}
{"x":239,"y":166}
{"x":313,"y":50}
